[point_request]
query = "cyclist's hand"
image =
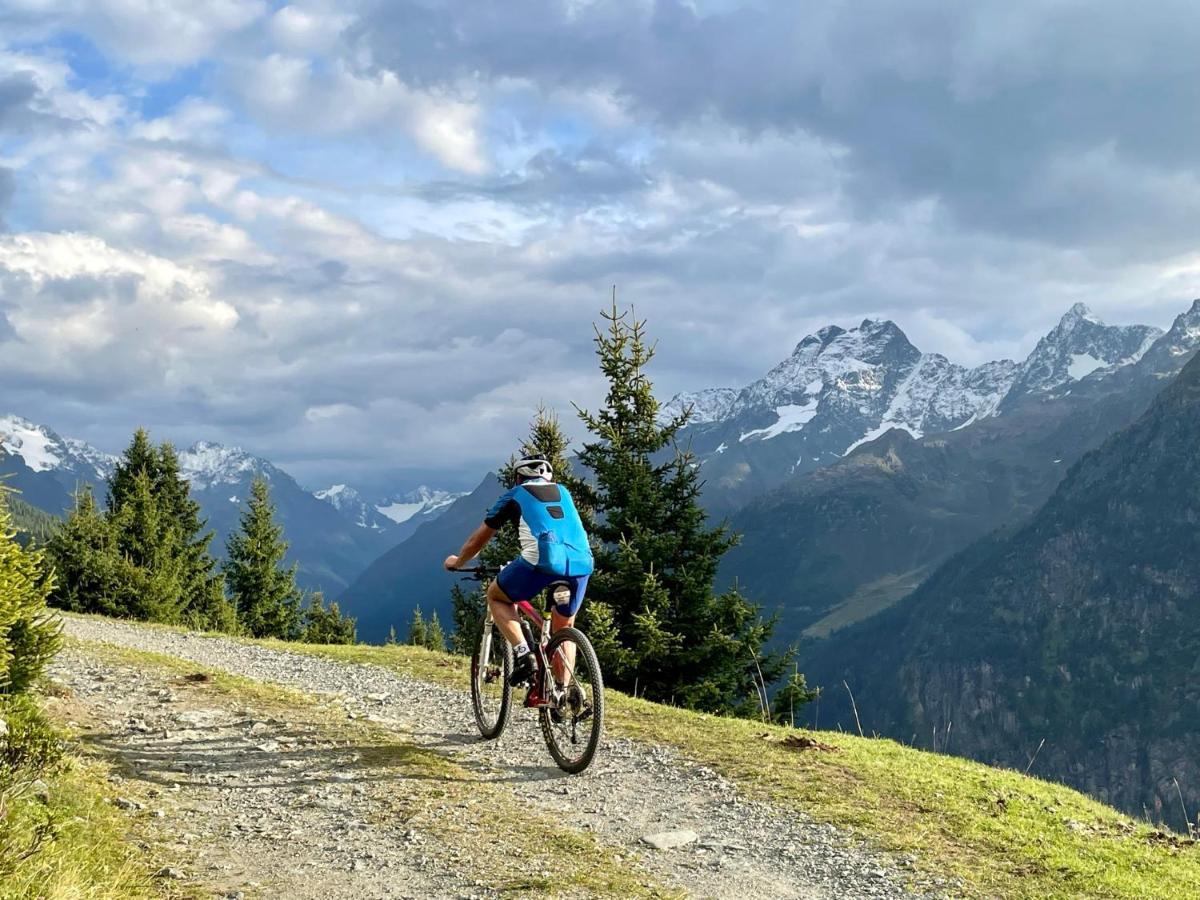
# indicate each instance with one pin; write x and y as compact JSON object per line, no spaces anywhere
{"x":451,"y":562}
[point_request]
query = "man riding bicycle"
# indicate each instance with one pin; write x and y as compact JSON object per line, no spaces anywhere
{"x":554,"y":550}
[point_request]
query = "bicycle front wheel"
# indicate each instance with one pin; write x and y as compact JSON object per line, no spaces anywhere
{"x":573,"y":724}
{"x":491,"y":695}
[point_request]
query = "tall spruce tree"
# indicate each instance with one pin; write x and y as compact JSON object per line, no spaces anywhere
{"x":205,"y":604}
{"x":418,"y":634}
{"x":651,"y":609}
{"x":159,"y":533}
{"x":89,"y":569}
{"x":264,"y":592}
{"x":435,"y":637}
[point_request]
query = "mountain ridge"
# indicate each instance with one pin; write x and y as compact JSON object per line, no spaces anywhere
{"x":1078,"y":627}
{"x":841,"y":388}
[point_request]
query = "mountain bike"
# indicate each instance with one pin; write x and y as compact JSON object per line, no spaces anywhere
{"x":567,"y":689}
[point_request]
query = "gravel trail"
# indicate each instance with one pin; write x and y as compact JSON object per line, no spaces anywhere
{"x":244,"y":804}
{"x":745,"y":848}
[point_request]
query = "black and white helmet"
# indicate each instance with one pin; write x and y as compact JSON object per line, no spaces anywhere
{"x":534,"y":467}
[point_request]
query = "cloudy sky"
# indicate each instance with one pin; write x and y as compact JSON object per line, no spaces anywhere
{"x":366,"y":239}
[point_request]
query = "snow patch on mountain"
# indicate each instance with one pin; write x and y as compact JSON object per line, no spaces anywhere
{"x":22,"y":438}
{"x":791,"y":418}
{"x":43,"y":450}
{"x":206,"y":465}
{"x":1083,"y":365}
{"x":423,"y":501}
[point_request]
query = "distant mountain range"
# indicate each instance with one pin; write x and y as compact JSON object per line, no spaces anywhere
{"x":411,"y":574}
{"x":1078,"y":628}
{"x":841,"y":389}
{"x":334,"y":535}
{"x":839,"y":544}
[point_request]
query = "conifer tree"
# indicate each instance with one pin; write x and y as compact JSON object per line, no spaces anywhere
{"x":651,"y":609}
{"x":160,"y":535}
{"x":150,"y":571}
{"x":391,"y":638}
{"x":205,"y":604}
{"x":435,"y":638}
{"x":88,"y":566}
{"x":417,"y":633}
{"x":327,"y":625}
{"x":264,"y":592}
{"x":28,"y":638}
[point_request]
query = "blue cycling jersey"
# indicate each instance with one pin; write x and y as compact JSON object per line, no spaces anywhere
{"x":552,"y":536}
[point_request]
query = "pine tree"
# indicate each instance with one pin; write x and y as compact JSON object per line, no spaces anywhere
{"x":435,"y":638}
{"x":28,"y":638}
{"x":467,"y":611}
{"x":417,"y":633}
{"x":264,"y":593}
{"x":651,"y":609}
{"x":391,"y":638}
{"x":88,"y":566}
{"x":205,"y":604}
{"x":150,"y":573}
{"x":139,"y":456}
{"x":327,"y":625}
{"x":160,"y":534}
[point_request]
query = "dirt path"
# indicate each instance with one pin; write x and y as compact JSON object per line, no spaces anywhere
{"x":744,"y":848}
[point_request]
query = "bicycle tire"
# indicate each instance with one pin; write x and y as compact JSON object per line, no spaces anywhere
{"x":575,"y":765}
{"x":489,"y":728}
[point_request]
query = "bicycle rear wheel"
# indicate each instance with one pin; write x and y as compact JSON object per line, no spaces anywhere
{"x":491,"y":695}
{"x":573,"y":726}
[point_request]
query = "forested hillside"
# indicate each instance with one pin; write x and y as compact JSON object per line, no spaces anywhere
{"x":1077,"y":634}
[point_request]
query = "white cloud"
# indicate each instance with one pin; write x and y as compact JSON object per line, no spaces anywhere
{"x":292,"y":92}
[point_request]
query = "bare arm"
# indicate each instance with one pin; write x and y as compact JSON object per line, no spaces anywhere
{"x":476,"y":542}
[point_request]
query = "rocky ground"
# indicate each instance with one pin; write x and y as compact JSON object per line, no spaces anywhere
{"x":376,"y":785}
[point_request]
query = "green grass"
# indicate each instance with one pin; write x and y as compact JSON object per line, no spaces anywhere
{"x":867,"y":601}
{"x":68,"y":842}
{"x":997,"y":831}
{"x":1000,"y":833}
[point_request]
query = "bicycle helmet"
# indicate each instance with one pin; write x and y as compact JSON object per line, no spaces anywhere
{"x":534,"y":467}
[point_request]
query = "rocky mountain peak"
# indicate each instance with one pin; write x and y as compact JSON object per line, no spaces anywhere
{"x":1079,"y":346}
{"x":207,"y":464}
{"x":43,"y":450}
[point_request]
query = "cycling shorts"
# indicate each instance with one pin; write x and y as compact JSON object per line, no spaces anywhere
{"x":521,"y":581}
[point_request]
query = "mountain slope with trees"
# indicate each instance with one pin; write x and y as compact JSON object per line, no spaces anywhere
{"x":1079,"y":630}
{"x":841,"y":543}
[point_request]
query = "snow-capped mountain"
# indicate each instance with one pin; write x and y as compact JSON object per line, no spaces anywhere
{"x":422,"y":502}
{"x":409,"y":509}
{"x":208,"y":465}
{"x":1079,"y":346}
{"x":842,"y":388}
{"x":43,"y":450}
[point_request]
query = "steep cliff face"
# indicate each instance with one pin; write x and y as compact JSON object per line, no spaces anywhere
{"x":1080,"y":629}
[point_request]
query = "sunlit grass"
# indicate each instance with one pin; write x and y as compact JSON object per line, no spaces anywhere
{"x":997,"y":832}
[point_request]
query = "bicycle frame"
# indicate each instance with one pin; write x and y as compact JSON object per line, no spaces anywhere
{"x":538,"y":696}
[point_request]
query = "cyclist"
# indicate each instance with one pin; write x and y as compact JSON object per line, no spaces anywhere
{"x":554,"y":549}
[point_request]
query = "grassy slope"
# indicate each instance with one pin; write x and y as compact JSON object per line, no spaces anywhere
{"x":1001,"y":833}
{"x":79,"y":841}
